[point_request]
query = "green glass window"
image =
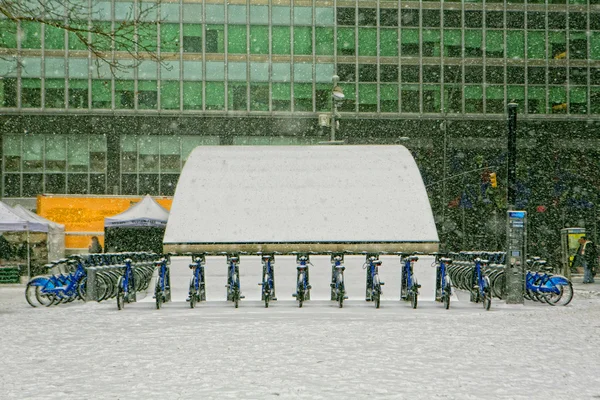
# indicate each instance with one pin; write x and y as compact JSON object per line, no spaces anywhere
{"x":8,"y":34}
{"x":536,"y":100}
{"x":494,"y":99}
{"x":101,"y":42}
{"x":515,"y":43}
{"x":149,"y":148}
{"x":349,"y":104}
{"x":32,"y":35}
{"x":259,"y":39}
{"x":595,"y":100}
{"x":281,"y":94}
{"x":259,"y":97}
{"x":169,"y":95}
{"x":388,"y":42}
{"x":169,"y":37}
{"x":281,"y":40}
{"x":148,"y":37}
{"x":453,"y":98}
{"x":388,"y":98}
{"x":31,"y":93}
{"x":557,"y":97}
{"x":55,"y":93}
{"x":192,"y":38}
{"x":323,"y":95}
{"x":237,"y":96}
{"x":101,"y":97}
{"x":557,"y":45}
{"x":578,"y":100}
{"x":78,"y":154}
{"x":192,"y":95}
{"x":170,"y":154}
{"x":473,"y":99}
{"x":432,"y":102}
{"x":303,"y":40}
{"x":236,"y":39}
{"x":494,"y":44}
{"x":54,"y":38}
{"x":124,"y":94}
{"x":516,"y":94}
{"x":215,"y":95}
{"x":324,"y":41}
{"x":452,"y":43}
{"x":12,"y":153}
{"x":367,"y":42}
{"x":34,"y":156}
{"x":473,"y":43}
{"x":345,"y":42}
{"x":409,"y":98}
{"x":215,"y":39}
{"x":431,"y":43}
{"x":578,"y":45}
{"x":595,"y":45}
{"x":367,"y":97}
{"x":147,"y":95}
{"x":303,"y":94}
{"x":536,"y":45}
{"x":78,"y":93}
{"x":409,"y":42}
{"x":56,"y":154}
{"x":236,"y":14}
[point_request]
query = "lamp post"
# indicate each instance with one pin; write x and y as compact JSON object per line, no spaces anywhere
{"x":337,"y":97}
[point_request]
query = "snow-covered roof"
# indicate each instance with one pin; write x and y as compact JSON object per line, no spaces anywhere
{"x":12,"y":220}
{"x":300,"y":198}
{"x":147,"y":212}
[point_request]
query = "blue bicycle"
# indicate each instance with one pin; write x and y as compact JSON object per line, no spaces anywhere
{"x":53,"y":289}
{"x":125,"y":285}
{"x":409,"y":289}
{"x":162,"y":290}
{"x":338,"y":286}
{"x":268,"y":282}
{"x":553,"y":289}
{"x":302,"y":279}
{"x":443,"y":286}
{"x":481,"y":288}
{"x":374,"y":285}
{"x":234,"y":292}
{"x":197,"y":283}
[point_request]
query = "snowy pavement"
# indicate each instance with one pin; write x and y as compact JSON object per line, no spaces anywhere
{"x":93,"y":351}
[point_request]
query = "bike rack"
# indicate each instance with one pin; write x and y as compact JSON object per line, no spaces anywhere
{"x":368,"y":275}
{"x":333,"y":255}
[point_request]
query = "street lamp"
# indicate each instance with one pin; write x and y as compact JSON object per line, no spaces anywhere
{"x":337,"y":98}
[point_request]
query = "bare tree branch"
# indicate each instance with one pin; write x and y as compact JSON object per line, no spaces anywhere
{"x":134,"y":33}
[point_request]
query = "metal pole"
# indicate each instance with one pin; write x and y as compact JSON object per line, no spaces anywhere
{"x":335,"y":79}
{"x":512,"y":156}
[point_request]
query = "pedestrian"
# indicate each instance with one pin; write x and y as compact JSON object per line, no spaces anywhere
{"x":95,"y":246}
{"x":587,"y":256}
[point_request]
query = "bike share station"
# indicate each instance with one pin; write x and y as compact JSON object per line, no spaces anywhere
{"x":514,"y":284}
{"x":300,"y":201}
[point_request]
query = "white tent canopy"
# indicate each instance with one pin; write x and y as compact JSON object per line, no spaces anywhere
{"x":56,"y":232}
{"x":300,"y":198}
{"x":12,"y":221}
{"x":147,"y":212}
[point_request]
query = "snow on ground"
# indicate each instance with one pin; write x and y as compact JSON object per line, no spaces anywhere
{"x":93,"y":351}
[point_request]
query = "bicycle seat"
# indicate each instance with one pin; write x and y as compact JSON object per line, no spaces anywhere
{"x":377,"y":262}
{"x":446,"y":260}
{"x":413,"y":258}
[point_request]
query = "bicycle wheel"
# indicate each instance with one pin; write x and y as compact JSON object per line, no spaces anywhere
{"x":267,"y":298}
{"x":413,"y":299}
{"x":377,"y":298}
{"x":564,"y":296}
{"x":32,"y":297}
{"x":236,"y":301}
{"x":81,"y":288}
{"x":192,"y":294}
{"x":120,"y":294}
{"x":158,"y":296}
{"x":447,"y":297}
{"x":487,"y":294}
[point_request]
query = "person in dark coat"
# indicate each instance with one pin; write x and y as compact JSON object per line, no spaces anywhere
{"x":587,"y":256}
{"x":95,"y":246}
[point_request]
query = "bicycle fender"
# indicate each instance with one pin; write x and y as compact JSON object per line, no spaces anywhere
{"x":559,"y":280}
{"x":39,"y":281}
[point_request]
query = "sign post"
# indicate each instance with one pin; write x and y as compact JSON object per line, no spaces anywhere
{"x":516,"y":255}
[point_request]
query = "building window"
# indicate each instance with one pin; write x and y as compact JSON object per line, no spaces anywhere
{"x":192,"y":38}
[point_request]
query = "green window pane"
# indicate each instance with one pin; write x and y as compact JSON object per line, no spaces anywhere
{"x":595,"y":45}
{"x":55,"y":84}
{"x":303,"y":91}
{"x":557,"y":95}
{"x":538,"y":93}
{"x":236,"y":39}
{"x":516,"y":93}
{"x":367,"y":94}
{"x":473,"y":39}
{"x":31,"y":83}
{"x":259,"y":97}
{"x":148,"y":35}
{"x":495,"y":93}
{"x":515,"y":43}
{"x":78,"y":84}
{"x":215,"y":95}
{"x":32,"y":35}
{"x":367,"y":42}
{"x":303,"y":40}
{"x":169,"y":37}
{"x":78,"y":93}
{"x":259,"y":39}
{"x":8,"y":34}
{"x":432,"y":99}
{"x":388,"y":42}
{"x":410,"y":36}
{"x":101,"y":96}
{"x":557,"y":37}
{"x":192,"y":95}
{"x":578,"y":95}
{"x":452,"y":37}
{"x":431,"y":43}
{"x":192,"y":30}
{"x":323,"y":41}
{"x":281,"y":40}
{"x":431,"y":35}
{"x":237,"y":96}
{"x":215,"y":38}
{"x":169,"y":95}
{"x":388,"y":92}
{"x":494,"y":44}
{"x":281,"y":91}
{"x":101,"y":41}
{"x":54,"y":38}
{"x":345,"y":41}
{"x":473,"y":92}
{"x":55,"y":93}
{"x":536,"y":45}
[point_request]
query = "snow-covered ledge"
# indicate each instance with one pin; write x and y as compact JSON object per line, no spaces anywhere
{"x":300,"y":198}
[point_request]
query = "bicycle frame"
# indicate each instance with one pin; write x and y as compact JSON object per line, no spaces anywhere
{"x":162,"y":291}
{"x":483,"y":284}
{"x":233,"y":279}
{"x":338,"y":286}
{"x":268,"y":284}
{"x":409,"y":290}
{"x":443,"y":289}
{"x":302,"y":279}
{"x":374,"y":291}
{"x":58,"y":287}
{"x":125,"y":285}
{"x":197,"y":290}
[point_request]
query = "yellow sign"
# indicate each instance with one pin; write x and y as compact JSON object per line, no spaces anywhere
{"x":83,"y":216}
